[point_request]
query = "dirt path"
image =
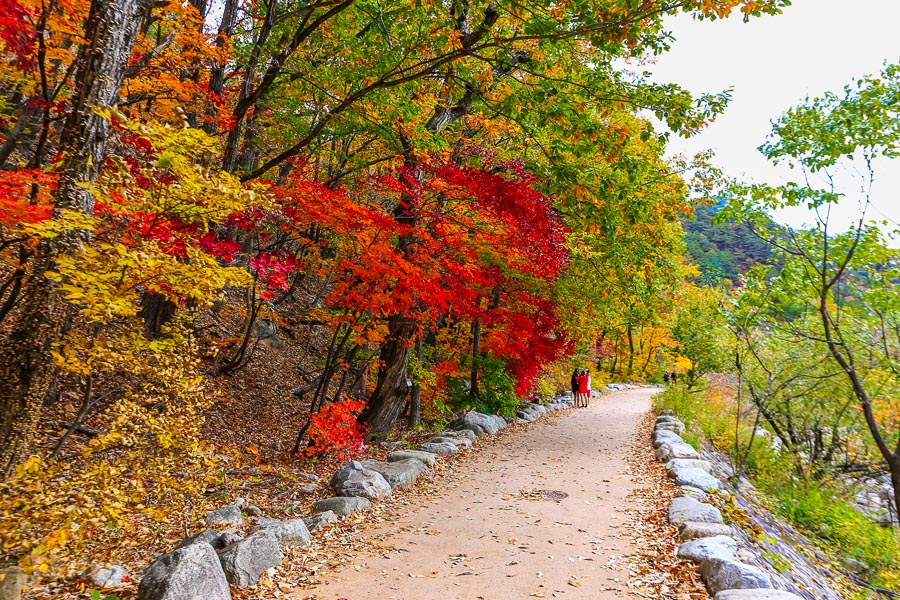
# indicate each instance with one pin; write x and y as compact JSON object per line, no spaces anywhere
{"x":489,"y":536}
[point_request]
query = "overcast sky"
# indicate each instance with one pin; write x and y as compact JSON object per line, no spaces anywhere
{"x":773,"y":63}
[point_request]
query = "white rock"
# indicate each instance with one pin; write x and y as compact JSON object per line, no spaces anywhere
{"x":703,"y":549}
{"x":684,"y":509}
{"x":691,"y":530}
{"x":667,"y":452}
{"x":722,"y":575}
{"x":427,"y":458}
{"x":187,"y":573}
{"x":696,"y":478}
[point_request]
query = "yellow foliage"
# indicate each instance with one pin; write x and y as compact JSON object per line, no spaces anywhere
{"x":49,"y":510}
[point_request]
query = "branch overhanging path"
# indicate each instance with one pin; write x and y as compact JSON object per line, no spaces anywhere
{"x":489,"y":534}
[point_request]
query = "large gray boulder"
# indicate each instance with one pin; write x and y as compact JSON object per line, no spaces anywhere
{"x":692,"y":492}
{"x":292,"y":532}
{"x":399,"y":473}
{"x":227,"y":516}
{"x":696,"y":478}
{"x":341,"y":505}
{"x":684,"y":509}
{"x":666,"y":419}
{"x":478,"y":422}
{"x":208,"y":536}
{"x":459,"y":442}
{"x":189,"y":573}
{"x":245,"y":561}
{"x":353,"y":479}
{"x":675,"y":426}
{"x":678,"y":464}
{"x":439,"y":447}
{"x":428,"y":458}
{"x":756,"y":594}
{"x":666,"y":437}
{"x":12,"y":580}
{"x":703,"y":549}
{"x":692,"y":530}
{"x":536,"y":410}
{"x":668,"y":451}
{"x":466,"y":433}
{"x":719,"y":575}
{"x":316,"y":522}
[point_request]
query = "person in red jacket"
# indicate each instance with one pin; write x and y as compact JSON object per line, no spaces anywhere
{"x":583,"y":389}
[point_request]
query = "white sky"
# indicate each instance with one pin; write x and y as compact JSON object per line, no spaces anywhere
{"x":773,"y":63}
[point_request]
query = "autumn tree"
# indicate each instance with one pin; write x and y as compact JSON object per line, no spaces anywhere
{"x":847,"y":279}
{"x":698,"y":327}
{"x":109,"y":32}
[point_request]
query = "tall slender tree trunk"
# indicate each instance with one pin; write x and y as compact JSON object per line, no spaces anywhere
{"x":26,"y":365}
{"x":415,"y":395}
{"x":217,"y":74}
{"x":630,"y":350}
{"x":476,"y":354}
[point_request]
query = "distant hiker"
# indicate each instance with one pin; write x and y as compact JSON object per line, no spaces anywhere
{"x":674,"y":376}
{"x":574,"y":383}
{"x":587,"y":396}
{"x":666,"y":377}
{"x":582,"y":389}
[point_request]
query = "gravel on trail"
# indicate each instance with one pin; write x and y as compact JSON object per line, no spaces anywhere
{"x":541,"y":516}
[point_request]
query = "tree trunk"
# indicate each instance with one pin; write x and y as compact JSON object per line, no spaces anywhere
{"x":217,"y":73}
{"x":156,"y":311}
{"x":415,"y":396}
{"x":476,"y":353}
{"x":387,"y":400}
{"x":26,"y":365}
{"x":630,"y":350}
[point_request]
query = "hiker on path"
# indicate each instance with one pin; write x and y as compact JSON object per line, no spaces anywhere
{"x":574,"y":384}
{"x":587,"y":396}
{"x":582,"y":389}
{"x":666,"y":377}
{"x":674,"y":375}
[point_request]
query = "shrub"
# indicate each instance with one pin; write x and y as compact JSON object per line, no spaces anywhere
{"x":824,"y":511}
{"x":334,"y":430}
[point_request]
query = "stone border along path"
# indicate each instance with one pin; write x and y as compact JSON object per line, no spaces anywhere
{"x":706,"y":540}
{"x":232,"y":553}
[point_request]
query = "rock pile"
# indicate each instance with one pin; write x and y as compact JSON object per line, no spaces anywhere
{"x":205,"y":564}
{"x":706,"y":540}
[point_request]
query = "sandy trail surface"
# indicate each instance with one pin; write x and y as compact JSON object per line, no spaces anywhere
{"x":491,"y":534}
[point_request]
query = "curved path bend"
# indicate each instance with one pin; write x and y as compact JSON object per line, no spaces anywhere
{"x":489,"y":535}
